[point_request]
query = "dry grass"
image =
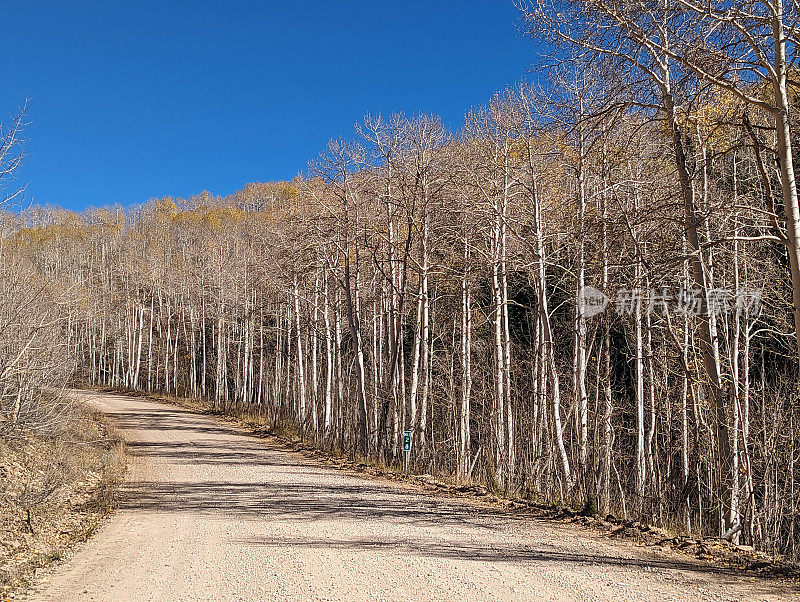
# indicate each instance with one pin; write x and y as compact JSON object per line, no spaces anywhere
{"x":54,"y":490}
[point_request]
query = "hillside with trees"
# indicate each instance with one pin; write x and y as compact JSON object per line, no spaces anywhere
{"x":587,"y":295}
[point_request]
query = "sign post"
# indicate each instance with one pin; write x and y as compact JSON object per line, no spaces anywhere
{"x":406,"y":448}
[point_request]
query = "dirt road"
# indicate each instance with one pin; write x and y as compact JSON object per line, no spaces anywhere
{"x":209,"y":514}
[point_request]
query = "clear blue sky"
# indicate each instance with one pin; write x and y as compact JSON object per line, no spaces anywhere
{"x":131,"y":100}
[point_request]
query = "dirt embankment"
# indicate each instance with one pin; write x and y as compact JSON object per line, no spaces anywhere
{"x":55,"y":487}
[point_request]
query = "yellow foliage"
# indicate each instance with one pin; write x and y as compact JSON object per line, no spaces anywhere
{"x":166,"y":206}
{"x":288,"y":191}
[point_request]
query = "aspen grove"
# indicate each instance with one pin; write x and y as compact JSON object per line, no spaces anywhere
{"x":435,"y":281}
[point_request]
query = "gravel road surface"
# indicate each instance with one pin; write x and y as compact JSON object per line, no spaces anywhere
{"x":207,"y":513}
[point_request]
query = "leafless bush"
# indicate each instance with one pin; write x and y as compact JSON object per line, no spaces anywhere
{"x":35,"y":355}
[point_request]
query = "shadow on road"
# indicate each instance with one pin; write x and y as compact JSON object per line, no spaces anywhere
{"x":466,"y":550}
{"x":307,"y":501}
{"x":289,"y":487}
{"x":164,"y":419}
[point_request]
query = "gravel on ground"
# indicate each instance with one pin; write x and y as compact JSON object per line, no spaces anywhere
{"x":208,"y":513}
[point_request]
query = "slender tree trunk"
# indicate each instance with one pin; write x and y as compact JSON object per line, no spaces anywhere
{"x":466,"y":365}
{"x":301,"y":373}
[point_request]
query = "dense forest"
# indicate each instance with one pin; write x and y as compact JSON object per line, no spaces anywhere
{"x":586,"y":295}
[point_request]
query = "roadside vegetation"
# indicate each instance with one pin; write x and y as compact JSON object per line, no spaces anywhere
{"x":55,"y":488}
